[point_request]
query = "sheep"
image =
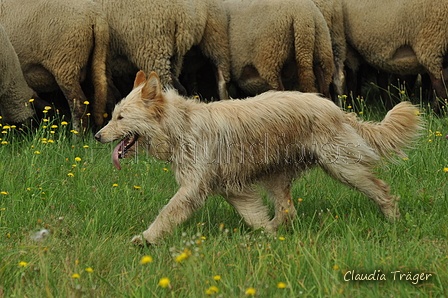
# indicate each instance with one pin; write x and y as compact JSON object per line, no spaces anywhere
{"x":154,"y":35}
{"x":402,"y":37}
{"x":14,"y":91}
{"x":274,"y":38}
{"x":333,"y":14}
{"x":54,"y":40}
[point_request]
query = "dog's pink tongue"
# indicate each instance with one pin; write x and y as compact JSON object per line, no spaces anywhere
{"x":115,"y":158}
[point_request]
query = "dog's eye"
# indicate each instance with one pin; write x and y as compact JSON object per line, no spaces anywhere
{"x":119,"y":117}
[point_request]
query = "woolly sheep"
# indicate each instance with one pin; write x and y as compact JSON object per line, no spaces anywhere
{"x":14,"y":91}
{"x":401,"y":37}
{"x":270,"y":38}
{"x":333,"y":14}
{"x":154,"y":35}
{"x":54,"y":40}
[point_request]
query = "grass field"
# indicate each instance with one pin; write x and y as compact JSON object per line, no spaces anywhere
{"x":65,"y":188}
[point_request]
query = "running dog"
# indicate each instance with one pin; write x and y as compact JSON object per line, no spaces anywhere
{"x":228,"y":147}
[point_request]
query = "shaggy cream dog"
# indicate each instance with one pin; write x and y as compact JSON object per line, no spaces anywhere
{"x":228,"y":147}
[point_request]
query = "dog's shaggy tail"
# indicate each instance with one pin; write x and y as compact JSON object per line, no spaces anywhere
{"x":396,"y":132}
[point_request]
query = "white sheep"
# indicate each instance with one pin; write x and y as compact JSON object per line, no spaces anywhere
{"x":54,"y":40}
{"x":154,"y":35}
{"x":14,"y":91}
{"x":401,"y":37}
{"x":271,"y":39}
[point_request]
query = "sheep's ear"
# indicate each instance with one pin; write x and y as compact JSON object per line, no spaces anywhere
{"x":152,"y":90}
{"x":140,"y":78}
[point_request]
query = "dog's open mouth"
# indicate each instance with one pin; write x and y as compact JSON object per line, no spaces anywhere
{"x":122,"y":148}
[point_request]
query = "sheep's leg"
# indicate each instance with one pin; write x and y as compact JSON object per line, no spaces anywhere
{"x":222,"y":86}
{"x":178,"y":210}
{"x":179,"y":87}
{"x":77,"y":103}
{"x":440,"y":88}
{"x":321,"y":83}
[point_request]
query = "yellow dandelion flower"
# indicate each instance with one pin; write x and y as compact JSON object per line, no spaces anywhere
{"x":6,"y":127}
{"x":251,"y":291}
{"x":85,"y":146}
{"x":114,"y":185}
{"x":4,"y":142}
{"x":71,"y":174}
{"x":4,"y":131}
{"x":183,"y":256}
{"x":212,"y":290}
{"x":88,"y":114}
{"x":335,"y":267}
{"x":164,"y":282}
{"x":73,"y":131}
{"x":46,"y":108}
{"x":77,"y":158}
{"x":36,"y":152}
{"x":299,"y":199}
{"x":445,"y":170}
{"x":86,"y":102}
{"x":137,"y":187}
{"x":89,"y":269}
{"x":4,"y":192}
{"x":64,"y":123}
{"x":31,"y":100}
{"x":50,"y":141}
{"x":53,"y":126}
{"x":13,"y":126}
{"x":281,"y":285}
{"x":165,"y":169}
{"x":217,"y":277}
{"x":76,"y":275}
{"x":349,"y":107}
{"x":23,"y":264}
{"x":281,"y":238}
{"x":146,"y":260}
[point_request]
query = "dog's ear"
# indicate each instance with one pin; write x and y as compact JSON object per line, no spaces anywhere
{"x":140,"y":78}
{"x":152,"y":90}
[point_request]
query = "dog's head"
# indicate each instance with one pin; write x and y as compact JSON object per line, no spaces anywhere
{"x":134,"y":117}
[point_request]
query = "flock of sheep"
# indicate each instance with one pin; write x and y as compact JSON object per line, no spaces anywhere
{"x":91,"y":50}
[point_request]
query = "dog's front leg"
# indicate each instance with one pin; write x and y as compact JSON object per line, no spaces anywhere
{"x":178,"y":210}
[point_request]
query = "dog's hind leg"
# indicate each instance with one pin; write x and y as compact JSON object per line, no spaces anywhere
{"x":250,"y":206}
{"x":178,"y":210}
{"x":278,"y":188}
{"x":360,"y":177}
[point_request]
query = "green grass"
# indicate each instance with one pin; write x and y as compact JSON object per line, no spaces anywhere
{"x":68,"y":186}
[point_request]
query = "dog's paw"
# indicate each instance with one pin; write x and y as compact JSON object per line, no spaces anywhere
{"x":137,"y":240}
{"x":140,"y":241}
